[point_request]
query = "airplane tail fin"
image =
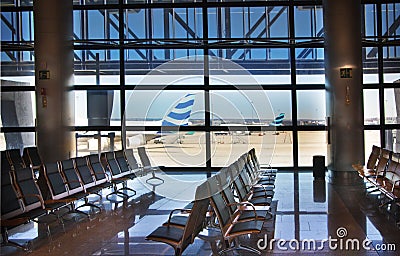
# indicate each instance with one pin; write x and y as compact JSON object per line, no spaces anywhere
{"x":278,"y":121}
{"x":180,"y":113}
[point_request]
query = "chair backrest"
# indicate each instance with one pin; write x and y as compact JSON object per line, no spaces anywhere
{"x":32,"y":157}
{"x":196,"y":220}
{"x":241,"y":190}
{"x":97,"y":168}
{"x":230,"y":199}
{"x":254,"y":159}
{"x":55,"y":181}
{"x":392,"y":174}
{"x":112,"y":165}
{"x":15,"y":159}
{"x":222,"y":211}
{"x":84,"y":172}
{"x":382,"y":162}
{"x":71,"y":177}
{"x":373,"y":157}
{"x":130,"y":158}
{"x":5,"y":164}
{"x":143,"y":157}
{"x":10,"y":204}
{"x":28,"y":190}
{"x":121,"y":160}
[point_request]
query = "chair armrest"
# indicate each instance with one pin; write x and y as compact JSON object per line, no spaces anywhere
{"x":14,"y":221}
{"x":174,"y":210}
{"x":34,"y":195}
{"x":74,"y":181}
{"x":62,"y":200}
{"x":243,"y":205}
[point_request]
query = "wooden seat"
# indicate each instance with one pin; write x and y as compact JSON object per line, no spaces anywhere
{"x":230,"y":227}
{"x":146,"y":165}
{"x":117,"y":177}
{"x":11,"y":209}
{"x":76,"y":187}
{"x":33,"y":203}
{"x":181,"y":237}
{"x":99,"y":175}
{"x":86,"y":176}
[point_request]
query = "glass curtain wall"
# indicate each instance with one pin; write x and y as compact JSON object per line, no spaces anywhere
{"x":249,"y":73}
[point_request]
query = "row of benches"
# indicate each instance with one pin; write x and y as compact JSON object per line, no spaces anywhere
{"x":237,"y":198}
{"x":382,"y":174}
{"x":28,"y":193}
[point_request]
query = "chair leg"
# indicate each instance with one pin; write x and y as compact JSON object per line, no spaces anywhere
{"x":7,"y":242}
{"x":154,"y":177}
{"x":237,"y":246}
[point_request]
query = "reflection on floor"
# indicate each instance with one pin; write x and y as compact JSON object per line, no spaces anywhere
{"x":307,"y":211}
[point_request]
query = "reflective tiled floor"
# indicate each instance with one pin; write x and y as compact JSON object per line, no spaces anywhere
{"x":307,"y":211}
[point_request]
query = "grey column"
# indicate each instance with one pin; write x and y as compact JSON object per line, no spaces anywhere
{"x":342,"y":23}
{"x":53,"y":53}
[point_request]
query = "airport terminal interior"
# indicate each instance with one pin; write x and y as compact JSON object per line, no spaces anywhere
{"x":200,"y":127}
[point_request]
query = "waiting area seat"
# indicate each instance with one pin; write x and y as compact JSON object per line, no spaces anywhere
{"x":117,"y":176}
{"x":382,"y":176}
{"x":226,"y":200}
{"x":235,"y":216}
{"x":146,"y":165}
{"x":23,"y":202}
{"x":179,"y":237}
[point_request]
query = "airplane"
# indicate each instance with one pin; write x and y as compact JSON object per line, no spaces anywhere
{"x":178,"y":115}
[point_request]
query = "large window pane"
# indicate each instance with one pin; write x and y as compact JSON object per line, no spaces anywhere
{"x":18,"y":66}
{"x":97,"y":108}
{"x":272,"y":148}
{"x":392,"y":106}
{"x":311,"y":108}
{"x":283,"y":150}
{"x":370,"y":65}
{"x":97,"y":67}
{"x":163,"y":67}
{"x":311,"y":143}
{"x":310,"y":67}
{"x":171,"y":23}
{"x":390,"y":13}
{"x":18,"y":109}
{"x":250,"y":66}
{"x":243,"y":107}
{"x":248,"y":22}
{"x":175,"y":149}
{"x":17,"y":26}
{"x":95,"y":142}
{"x":309,"y":22}
{"x":96,"y":24}
{"x":392,"y":138}
{"x":20,"y":140}
{"x":371,"y":107}
{"x":154,"y":108}
{"x":391,"y":71}
{"x":370,"y":21}
{"x":371,"y":137}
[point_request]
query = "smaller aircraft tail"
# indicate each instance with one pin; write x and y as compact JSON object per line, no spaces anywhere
{"x":278,"y":121}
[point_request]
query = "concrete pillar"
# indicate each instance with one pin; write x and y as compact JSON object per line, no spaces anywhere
{"x":343,"y":49}
{"x":53,"y":74}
